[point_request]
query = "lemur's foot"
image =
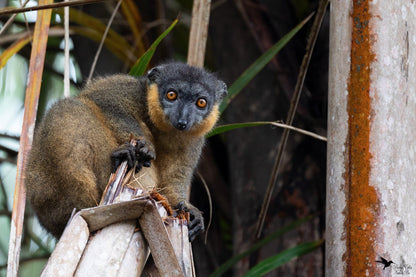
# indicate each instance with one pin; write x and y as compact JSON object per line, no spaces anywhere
{"x":196,"y":223}
{"x":140,"y":155}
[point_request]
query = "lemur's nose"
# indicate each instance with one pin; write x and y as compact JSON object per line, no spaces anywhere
{"x":181,"y":124}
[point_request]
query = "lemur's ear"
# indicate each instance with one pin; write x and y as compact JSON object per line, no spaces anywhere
{"x":221,"y":90}
{"x":154,"y":74}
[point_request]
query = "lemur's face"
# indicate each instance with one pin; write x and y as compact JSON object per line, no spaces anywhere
{"x":185,"y":104}
{"x":188,"y":97}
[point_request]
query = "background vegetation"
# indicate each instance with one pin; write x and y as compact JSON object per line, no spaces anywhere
{"x":236,"y":165}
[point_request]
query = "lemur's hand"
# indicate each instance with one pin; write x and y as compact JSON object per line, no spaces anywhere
{"x":142,"y":153}
{"x":196,"y":224}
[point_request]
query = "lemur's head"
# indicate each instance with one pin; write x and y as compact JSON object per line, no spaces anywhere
{"x":184,"y":98}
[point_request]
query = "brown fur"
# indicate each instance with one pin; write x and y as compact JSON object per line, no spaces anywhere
{"x":156,"y":114}
{"x":69,"y":164}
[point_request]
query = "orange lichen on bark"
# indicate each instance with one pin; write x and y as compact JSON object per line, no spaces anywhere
{"x":362,"y":199}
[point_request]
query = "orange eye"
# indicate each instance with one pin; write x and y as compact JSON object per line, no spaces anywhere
{"x":201,"y":102}
{"x":171,"y":95}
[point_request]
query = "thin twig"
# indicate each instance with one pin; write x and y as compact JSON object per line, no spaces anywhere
{"x":301,"y":131}
{"x":66,"y":52}
{"x":291,"y":114}
{"x":110,"y":21}
{"x":275,"y":123}
{"x":24,"y":15}
{"x":8,"y":23}
{"x":8,"y":160}
{"x":210,"y":206}
{"x":53,"y":32}
{"x":9,"y":10}
{"x":9,"y":136}
{"x":11,"y":19}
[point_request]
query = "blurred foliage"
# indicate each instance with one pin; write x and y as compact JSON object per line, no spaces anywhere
{"x":258,"y":65}
{"x":275,"y":235}
{"x":282,"y":258}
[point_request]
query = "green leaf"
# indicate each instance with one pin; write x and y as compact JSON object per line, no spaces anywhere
{"x":228,"y":264}
{"x":228,"y":127}
{"x":283,"y":257}
{"x":258,"y":65}
{"x":139,"y":68}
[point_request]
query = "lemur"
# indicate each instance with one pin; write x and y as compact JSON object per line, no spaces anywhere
{"x":82,"y":139}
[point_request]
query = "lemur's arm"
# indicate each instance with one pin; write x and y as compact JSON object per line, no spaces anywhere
{"x":176,"y":162}
{"x":120,"y":99}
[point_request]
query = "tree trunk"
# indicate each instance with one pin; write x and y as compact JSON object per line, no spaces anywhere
{"x":371,"y":145}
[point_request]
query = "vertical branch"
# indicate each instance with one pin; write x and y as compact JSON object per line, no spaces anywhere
{"x":199,"y":32}
{"x":66,"y":52}
{"x":37,"y":59}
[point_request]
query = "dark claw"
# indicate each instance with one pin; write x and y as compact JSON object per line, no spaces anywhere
{"x":196,"y":223}
{"x":125,"y":152}
{"x":139,"y":155}
{"x":145,"y":154}
{"x":181,"y":207}
{"x":193,"y":233}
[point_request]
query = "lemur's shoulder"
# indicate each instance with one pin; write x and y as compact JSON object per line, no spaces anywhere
{"x":108,"y":82}
{"x":115,"y":86}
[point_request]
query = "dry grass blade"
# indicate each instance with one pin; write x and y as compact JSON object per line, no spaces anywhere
{"x":37,"y":59}
{"x":199,"y":31}
{"x":110,"y":21}
{"x":112,"y":44}
{"x":132,"y":15}
{"x":228,"y":127}
{"x":291,"y":114}
{"x":94,"y":29}
{"x":13,"y":49}
{"x":11,"y":38}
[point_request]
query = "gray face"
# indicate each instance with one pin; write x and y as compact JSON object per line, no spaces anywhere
{"x":186,"y":94}
{"x":185,"y":104}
